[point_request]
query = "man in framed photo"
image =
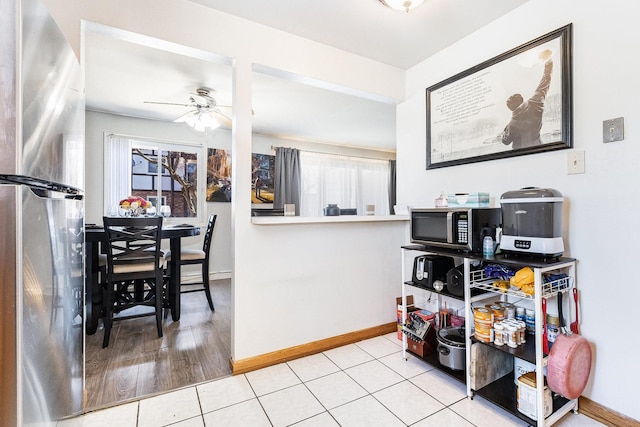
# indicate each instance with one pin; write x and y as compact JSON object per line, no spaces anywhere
{"x":523,"y":130}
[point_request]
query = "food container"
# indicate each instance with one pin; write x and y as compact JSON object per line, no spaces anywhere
{"x":331,"y":210}
{"x":499,"y":335}
{"x":527,"y":396}
{"x":468,"y":200}
{"x":553,"y":328}
{"x":512,"y":335}
{"x":521,"y":367}
{"x":532,"y":221}
{"x":509,"y":310}
{"x":498,"y":313}
{"x":530,"y":320}
{"x":451,"y":348}
{"x":483,"y":315}
{"x":483,"y":321}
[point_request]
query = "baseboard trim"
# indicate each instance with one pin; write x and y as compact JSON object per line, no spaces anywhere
{"x":197,"y":277}
{"x":604,"y":415}
{"x":219,"y":275}
{"x":262,"y":361}
{"x":586,"y":406}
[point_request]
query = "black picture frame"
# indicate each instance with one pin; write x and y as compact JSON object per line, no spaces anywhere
{"x":467,"y":116}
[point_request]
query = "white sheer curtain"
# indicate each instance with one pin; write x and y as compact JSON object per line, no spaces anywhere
{"x":349,"y":182}
{"x":117,"y":170}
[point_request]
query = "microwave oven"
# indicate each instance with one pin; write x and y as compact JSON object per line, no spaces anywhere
{"x":454,"y":228}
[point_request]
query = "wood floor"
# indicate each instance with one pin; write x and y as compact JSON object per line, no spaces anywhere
{"x":138,"y":363}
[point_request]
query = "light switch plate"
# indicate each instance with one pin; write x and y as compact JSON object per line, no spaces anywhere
{"x":613,"y":130}
{"x":575,"y":162}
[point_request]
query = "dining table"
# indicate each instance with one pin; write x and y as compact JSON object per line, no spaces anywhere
{"x":95,"y":242}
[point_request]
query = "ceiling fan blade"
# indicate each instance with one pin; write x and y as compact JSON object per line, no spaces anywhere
{"x":168,"y":103}
{"x":222,"y":118}
{"x":229,"y":107}
{"x":203,"y":100}
{"x":184,"y":117}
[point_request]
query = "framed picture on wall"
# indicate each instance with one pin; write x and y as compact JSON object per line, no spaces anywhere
{"x":262,"y":175}
{"x":514,"y":104}
{"x":218,"y":175}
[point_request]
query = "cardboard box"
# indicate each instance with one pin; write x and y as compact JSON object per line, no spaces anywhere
{"x":425,"y":315}
{"x":527,"y":396}
{"x":410,"y":308}
{"x":521,"y":367}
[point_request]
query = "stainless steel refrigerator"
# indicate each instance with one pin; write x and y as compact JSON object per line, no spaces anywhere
{"x":41,"y":219}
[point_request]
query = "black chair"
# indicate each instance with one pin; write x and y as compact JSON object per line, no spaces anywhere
{"x":196,"y":256}
{"x":134,"y":268}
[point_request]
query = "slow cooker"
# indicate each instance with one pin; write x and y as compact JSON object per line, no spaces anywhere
{"x":451,"y":348}
{"x":532,"y":221}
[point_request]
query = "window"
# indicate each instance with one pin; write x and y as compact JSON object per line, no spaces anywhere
{"x":165,"y":173}
{"x":349,"y":182}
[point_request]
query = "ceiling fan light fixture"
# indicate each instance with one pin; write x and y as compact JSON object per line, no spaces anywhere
{"x":202,"y":121}
{"x":402,"y":5}
{"x":204,"y":115}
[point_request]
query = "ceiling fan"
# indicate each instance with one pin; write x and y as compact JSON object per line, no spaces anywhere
{"x":205,"y":112}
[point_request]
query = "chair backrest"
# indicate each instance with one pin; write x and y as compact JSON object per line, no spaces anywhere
{"x":133,"y":242}
{"x":206,"y":246}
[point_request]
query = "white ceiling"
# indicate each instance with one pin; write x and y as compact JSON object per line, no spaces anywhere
{"x":283,"y":107}
{"x":369,"y":29}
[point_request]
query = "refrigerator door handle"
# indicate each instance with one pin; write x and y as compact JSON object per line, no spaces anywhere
{"x":43,"y":188}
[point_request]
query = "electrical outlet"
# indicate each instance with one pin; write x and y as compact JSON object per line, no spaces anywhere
{"x":575,"y":162}
{"x":613,"y":130}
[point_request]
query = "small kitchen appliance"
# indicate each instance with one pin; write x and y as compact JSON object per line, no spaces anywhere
{"x":429,"y":268}
{"x":454,"y":228}
{"x":532,"y":221}
{"x":455,"y":280}
{"x":451,"y":348}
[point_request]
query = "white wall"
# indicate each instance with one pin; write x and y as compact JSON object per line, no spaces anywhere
{"x":263,"y":144}
{"x":296,"y":283}
{"x":99,"y":124}
{"x":601,"y":222}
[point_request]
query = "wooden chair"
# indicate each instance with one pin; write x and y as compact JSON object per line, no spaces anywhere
{"x":134,"y":268}
{"x":196,"y":256}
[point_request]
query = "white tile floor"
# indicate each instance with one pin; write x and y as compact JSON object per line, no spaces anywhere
{"x":363,"y":384}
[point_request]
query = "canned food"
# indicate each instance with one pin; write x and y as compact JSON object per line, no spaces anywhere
{"x":498,"y":313}
{"x":553,"y":328}
{"x":480,"y":335}
{"x":530,"y":320}
{"x":482,"y":314}
{"x":509,"y":310}
{"x":520,"y":313}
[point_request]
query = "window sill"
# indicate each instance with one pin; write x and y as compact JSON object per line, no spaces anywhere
{"x":288,"y":220}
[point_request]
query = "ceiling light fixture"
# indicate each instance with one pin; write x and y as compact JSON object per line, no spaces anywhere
{"x":403,"y":5}
{"x":200,"y":119}
{"x":205,"y":113}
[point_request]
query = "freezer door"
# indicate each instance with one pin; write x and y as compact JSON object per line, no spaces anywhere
{"x":52,"y":101}
{"x":52,"y":307}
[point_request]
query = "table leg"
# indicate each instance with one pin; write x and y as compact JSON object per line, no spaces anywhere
{"x":92,"y":288}
{"x":174,"y":280}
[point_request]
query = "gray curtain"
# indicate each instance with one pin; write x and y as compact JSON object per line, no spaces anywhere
{"x":287,"y":178}
{"x":392,"y":185}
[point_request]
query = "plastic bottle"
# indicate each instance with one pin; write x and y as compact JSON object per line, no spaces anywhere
{"x":487,"y":246}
